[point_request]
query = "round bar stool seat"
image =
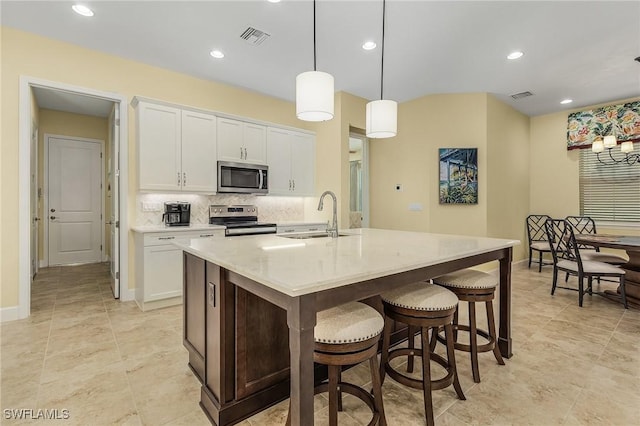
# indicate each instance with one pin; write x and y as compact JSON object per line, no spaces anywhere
{"x":426,"y":306}
{"x":473,"y":286}
{"x":346,"y":335}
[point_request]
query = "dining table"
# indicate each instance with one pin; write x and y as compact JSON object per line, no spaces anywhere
{"x":631,"y":245}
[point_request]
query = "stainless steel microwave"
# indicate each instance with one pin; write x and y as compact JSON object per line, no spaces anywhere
{"x":243,"y":178}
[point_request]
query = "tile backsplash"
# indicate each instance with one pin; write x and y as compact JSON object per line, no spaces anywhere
{"x":270,"y":208}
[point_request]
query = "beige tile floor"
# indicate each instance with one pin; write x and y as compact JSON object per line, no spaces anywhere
{"x":106,"y":362}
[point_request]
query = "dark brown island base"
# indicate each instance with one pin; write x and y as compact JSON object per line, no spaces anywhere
{"x":250,"y":305}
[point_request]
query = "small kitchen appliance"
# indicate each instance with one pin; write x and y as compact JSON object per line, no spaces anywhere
{"x":177,"y":213}
{"x":243,"y":178}
{"x":239,"y":220}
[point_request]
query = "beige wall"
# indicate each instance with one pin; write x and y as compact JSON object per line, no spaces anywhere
{"x":554,"y":170}
{"x":411,"y":159}
{"x":68,"y":124}
{"x":507,"y":173}
{"x":35,"y":56}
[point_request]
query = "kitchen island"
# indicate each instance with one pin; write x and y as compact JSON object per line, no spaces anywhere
{"x":250,"y":285}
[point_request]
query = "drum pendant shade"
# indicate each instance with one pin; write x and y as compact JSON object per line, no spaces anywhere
{"x":314,"y":96}
{"x":382,"y":119}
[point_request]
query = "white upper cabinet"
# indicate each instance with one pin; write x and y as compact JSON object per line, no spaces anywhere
{"x":159,"y":148}
{"x":199,"y":172}
{"x":291,"y":160}
{"x":176,"y":149}
{"x":241,"y":142}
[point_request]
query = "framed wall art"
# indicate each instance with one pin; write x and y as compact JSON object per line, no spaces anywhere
{"x":458,"y":175}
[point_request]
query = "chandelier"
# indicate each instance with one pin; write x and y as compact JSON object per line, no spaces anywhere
{"x":609,"y":143}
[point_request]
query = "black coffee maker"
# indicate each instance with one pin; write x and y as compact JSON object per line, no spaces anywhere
{"x":177,"y":213}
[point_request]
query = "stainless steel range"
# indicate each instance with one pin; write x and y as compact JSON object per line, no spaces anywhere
{"x":239,"y":220}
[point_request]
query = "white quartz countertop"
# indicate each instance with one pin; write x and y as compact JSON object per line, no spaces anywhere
{"x":163,"y":228}
{"x":301,"y":266}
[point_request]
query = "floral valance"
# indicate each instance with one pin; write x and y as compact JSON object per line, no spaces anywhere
{"x":622,"y":121}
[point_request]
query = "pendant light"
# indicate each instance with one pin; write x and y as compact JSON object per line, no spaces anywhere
{"x":314,"y":89}
{"x":382,"y":115}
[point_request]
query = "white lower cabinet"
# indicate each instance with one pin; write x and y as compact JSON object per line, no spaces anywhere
{"x":303,"y":227}
{"x":159,"y":266}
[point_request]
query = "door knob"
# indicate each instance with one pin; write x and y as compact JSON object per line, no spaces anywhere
{"x":53,"y":210}
{"x":52,"y":217}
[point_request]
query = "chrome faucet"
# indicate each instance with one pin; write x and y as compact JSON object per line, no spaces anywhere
{"x":333,"y":229}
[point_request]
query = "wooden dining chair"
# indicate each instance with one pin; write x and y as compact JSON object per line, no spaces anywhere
{"x":537,"y":236}
{"x":566,"y":258}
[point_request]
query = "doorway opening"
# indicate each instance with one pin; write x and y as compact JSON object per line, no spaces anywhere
{"x":358,"y":180}
{"x":57,"y":98}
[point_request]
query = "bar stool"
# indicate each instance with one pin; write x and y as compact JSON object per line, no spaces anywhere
{"x":473,"y":286}
{"x":348,"y":335}
{"x":426,"y":306}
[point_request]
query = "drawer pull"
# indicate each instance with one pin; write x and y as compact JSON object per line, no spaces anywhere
{"x":313,"y":229}
{"x":206,"y":235}
{"x":166,"y":238}
{"x":212,"y":295}
{"x":288,"y":230}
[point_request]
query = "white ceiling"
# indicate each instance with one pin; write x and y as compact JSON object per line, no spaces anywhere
{"x":71,"y":102}
{"x":579,"y":50}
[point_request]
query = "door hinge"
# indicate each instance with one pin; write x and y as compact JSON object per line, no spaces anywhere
{"x":117,"y":224}
{"x":100,"y":247}
{"x":118,"y":275}
{"x":100,"y":155}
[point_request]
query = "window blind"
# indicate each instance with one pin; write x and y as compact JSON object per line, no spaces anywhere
{"x":609,"y":192}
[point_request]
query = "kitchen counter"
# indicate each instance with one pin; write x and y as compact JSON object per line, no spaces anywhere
{"x":252,"y":284}
{"x":162,"y":228}
{"x":302,"y":266}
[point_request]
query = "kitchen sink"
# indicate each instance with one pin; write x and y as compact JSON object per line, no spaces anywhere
{"x":306,"y":235}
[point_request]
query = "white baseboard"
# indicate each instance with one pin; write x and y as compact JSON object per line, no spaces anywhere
{"x":9,"y":313}
{"x":127,"y":294}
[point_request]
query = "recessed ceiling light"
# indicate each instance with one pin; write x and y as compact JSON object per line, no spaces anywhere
{"x":515,"y":55}
{"x":369,"y":45}
{"x":566,"y":101}
{"x":217,"y":54}
{"x":273,"y":1}
{"x":82,"y":10}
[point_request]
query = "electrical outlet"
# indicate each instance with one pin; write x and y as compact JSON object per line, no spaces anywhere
{"x":398,"y":187}
{"x":151,"y":207}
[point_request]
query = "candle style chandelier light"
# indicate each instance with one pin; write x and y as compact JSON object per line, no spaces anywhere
{"x":609,"y":142}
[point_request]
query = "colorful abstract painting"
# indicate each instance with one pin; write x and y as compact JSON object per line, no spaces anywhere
{"x":458,"y":175}
{"x":622,"y":121}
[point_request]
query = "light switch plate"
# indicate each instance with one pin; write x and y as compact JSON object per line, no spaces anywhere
{"x":415,"y":207}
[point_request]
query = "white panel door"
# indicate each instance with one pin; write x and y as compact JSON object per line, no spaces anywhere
{"x":230,"y":147}
{"x":75,"y":201}
{"x":199,"y":172}
{"x":254,"y":138}
{"x":159,"y":147}
{"x":279,"y":161}
{"x":303,"y":154}
{"x":114,"y":186}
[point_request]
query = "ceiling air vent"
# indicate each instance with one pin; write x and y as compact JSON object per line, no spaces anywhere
{"x":254,"y":36}
{"x":521,"y":95}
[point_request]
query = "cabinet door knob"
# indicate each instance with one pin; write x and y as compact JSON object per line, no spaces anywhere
{"x":184,"y":178}
{"x":178,"y":178}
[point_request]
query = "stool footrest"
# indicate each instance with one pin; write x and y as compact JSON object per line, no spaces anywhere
{"x":487,"y":347}
{"x":415,"y":383}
